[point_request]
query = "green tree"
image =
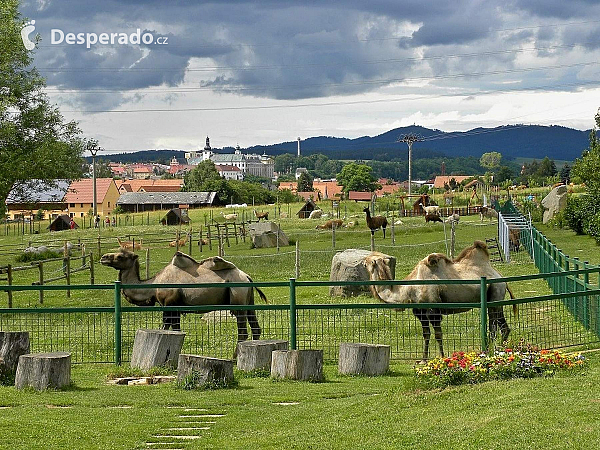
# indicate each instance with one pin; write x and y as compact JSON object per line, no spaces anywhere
{"x":490,"y":160}
{"x":35,"y":141}
{"x":305,"y":182}
{"x":285,"y":163}
{"x":357,"y":177}
{"x":503,"y":174}
{"x":565,"y":174}
{"x":587,"y":168}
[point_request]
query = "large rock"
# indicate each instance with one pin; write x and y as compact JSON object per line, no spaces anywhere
{"x":349,"y":265}
{"x":264,"y":235}
{"x":554,"y":202}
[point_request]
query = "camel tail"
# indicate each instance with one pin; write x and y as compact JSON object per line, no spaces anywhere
{"x":512,"y":297}
{"x":260,"y":293}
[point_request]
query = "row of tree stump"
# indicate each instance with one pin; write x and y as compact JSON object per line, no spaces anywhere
{"x":154,"y":348}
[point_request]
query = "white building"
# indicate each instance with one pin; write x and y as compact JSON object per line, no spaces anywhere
{"x":248,"y":164}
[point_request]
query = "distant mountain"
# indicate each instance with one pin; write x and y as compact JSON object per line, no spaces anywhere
{"x":532,"y":141}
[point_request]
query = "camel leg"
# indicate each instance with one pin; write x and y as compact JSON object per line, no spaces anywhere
{"x":253,"y":322}
{"x":422,"y":316}
{"x":436,"y":321}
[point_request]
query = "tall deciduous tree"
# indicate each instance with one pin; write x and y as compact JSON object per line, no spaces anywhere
{"x":357,"y":177}
{"x":35,"y":141}
{"x":587,"y":168}
{"x":490,"y":160}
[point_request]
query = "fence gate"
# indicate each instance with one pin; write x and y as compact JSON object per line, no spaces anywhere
{"x":514,"y":232}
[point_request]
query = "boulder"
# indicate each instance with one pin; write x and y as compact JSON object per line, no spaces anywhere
{"x":349,"y":265}
{"x":554,"y":202}
{"x":265,"y":235}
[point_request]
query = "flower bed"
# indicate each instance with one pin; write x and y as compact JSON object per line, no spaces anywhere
{"x":524,"y":362}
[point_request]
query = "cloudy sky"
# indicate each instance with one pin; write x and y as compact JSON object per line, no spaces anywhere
{"x":262,"y":72}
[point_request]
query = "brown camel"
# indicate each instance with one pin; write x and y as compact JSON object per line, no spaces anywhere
{"x":185,"y":270}
{"x":472,"y":263}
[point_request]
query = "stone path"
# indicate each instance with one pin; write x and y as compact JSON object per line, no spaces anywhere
{"x":187,"y":427}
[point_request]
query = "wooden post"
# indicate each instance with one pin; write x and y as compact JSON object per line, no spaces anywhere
{"x":235,"y":232}
{"x":220,"y":252}
{"x":219,"y":237}
{"x":200,"y":239}
{"x":208,"y":236}
{"x":99,"y":249}
{"x":190,"y":236}
{"x":147,"y":263}
{"x":9,"y":278}
{"x":92,"y":281}
{"x":333,"y":236}
{"x":177,"y":240}
{"x":68,"y":274}
{"x":452,"y":238}
{"x":297,"y":258}
{"x":372,"y":242}
{"x":41,"y":270}
{"x":244,"y":232}
{"x":227,"y":234}
{"x":393,"y":230}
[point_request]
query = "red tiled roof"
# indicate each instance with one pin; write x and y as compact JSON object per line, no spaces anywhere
{"x":82,"y":191}
{"x":227,"y":168}
{"x":160,"y":188}
{"x":135,"y":185}
{"x":441,"y":179}
{"x":357,"y":195}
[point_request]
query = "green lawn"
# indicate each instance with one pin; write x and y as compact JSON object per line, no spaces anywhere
{"x":344,"y":412}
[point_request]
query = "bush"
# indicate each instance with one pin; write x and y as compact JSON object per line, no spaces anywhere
{"x":574,"y":213}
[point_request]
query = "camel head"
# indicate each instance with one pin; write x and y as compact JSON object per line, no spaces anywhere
{"x":378,"y":266}
{"x":121,"y":260}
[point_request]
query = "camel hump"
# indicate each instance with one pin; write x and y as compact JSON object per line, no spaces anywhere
{"x":216,"y":263}
{"x":184,"y":261}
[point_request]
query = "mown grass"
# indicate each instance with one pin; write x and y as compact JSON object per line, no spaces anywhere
{"x":385,"y":412}
{"x":343,"y":412}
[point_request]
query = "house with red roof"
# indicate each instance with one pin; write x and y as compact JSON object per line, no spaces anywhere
{"x":80,"y":196}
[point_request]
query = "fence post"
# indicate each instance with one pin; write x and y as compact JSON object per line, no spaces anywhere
{"x":147,"y":263}
{"x":293,"y":313}
{"x":99,"y":249}
{"x":372,"y":242}
{"x":483,"y":313}
{"x":586,"y":298}
{"x":9,"y":278}
{"x":297,"y":258}
{"x":91,"y":268}
{"x":41,"y":269}
{"x":393,"y":231}
{"x":68,"y":274}
{"x":118,"y":323}
{"x":333,"y":236}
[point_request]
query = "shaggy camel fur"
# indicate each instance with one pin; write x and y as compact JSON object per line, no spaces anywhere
{"x":183,"y":269}
{"x":472,"y":263}
{"x":374,"y":223}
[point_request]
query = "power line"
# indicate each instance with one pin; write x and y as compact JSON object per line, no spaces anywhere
{"x":348,"y":83}
{"x":320,"y":64}
{"x":340,"y":103}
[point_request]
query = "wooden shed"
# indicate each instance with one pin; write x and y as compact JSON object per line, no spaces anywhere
{"x":175,"y":216}
{"x":305,"y":211}
{"x":62,"y":222}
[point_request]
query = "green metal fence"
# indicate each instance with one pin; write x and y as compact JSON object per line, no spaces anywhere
{"x":105,"y":334}
{"x":576,"y":276}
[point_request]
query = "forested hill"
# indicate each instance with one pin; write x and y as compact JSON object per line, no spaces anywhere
{"x":532,"y":141}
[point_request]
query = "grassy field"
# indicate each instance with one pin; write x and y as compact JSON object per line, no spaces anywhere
{"x":359,"y":412}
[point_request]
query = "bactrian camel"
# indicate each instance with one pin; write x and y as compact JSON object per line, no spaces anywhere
{"x":183,"y":269}
{"x":472,"y":263}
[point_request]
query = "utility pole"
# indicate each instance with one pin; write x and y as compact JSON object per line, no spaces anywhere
{"x":92,"y":147}
{"x":410,"y":139}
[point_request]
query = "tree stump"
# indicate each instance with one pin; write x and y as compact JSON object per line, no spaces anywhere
{"x":363,"y":359}
{"x":44,"y":370}
{"x":306,"y":365}
{"x":13,"y":344}
{"x":152,"y":348}
{"x":201,"y":370}
{"x":256,"y":355}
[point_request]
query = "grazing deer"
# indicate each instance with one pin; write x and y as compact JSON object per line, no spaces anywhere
{"x":130,"y":245}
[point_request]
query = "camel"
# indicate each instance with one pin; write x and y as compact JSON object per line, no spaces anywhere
{"x":472,"y":263}
{"x":333,"y":223}
{"x":179,"y":242}
{"x":183,"y":269}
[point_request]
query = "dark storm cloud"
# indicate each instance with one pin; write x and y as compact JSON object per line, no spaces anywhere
{"x":309,"y":49}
